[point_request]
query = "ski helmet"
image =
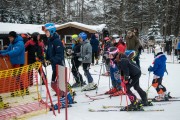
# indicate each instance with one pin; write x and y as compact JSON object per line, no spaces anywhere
{"x":106,"y":38}
{"x":113,"y":51}
{"x":50,"y":27}
{"x":74,"y":37}
{"x":83,"y":35}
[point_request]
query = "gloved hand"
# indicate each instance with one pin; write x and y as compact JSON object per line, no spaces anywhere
{"x":126,"y":79}
{"x":149,"y":69}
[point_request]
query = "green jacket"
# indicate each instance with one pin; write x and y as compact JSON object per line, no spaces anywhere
{"x":132,"y":43}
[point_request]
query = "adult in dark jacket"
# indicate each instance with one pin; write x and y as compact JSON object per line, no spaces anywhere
{"x":55,"y":51}
{"x":131,"y":73}
{"x":75,"y":62}
{"x":95,"y":48}
{"x":15,"y":50}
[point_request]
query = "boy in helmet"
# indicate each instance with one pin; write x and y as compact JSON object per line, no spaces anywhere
{"x":55,"y":51}
{"x":86,"y":58}
{"x":75,"y":62}
{"x":158,"y":70}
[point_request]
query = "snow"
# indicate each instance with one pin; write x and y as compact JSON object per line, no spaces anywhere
{"x":97,"y":28}
{"x":5,"y":28}
{"x":80,"y":111}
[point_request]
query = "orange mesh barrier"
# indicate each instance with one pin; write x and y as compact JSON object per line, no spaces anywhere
{"x":18,"y":78}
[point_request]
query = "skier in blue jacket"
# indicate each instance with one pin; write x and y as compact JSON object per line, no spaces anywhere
{"x":158,"y":70}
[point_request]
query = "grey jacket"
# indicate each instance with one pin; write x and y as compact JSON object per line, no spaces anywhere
{"x":86,"y":52}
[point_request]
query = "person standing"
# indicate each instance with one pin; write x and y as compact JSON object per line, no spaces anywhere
{"x":95,"y":48}
{"x":86,"y":58}
{"x":133,"y":43}
{"x":75,"y":62}
{"x":15,"y":50}
{"x":55,"y":51}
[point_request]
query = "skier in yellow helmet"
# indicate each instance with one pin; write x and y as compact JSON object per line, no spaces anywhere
{"x":75,"y":62}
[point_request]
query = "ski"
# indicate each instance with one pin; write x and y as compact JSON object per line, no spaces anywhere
{"x":102,"y":110}
{"x":96,"y":98}
{"x":120,"y":106}
{"x":170,"y":100}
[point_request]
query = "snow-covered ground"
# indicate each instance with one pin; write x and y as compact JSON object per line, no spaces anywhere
{"x":80,"y":111}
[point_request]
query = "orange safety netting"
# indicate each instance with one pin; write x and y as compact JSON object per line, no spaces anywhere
{"x":18,"y":78}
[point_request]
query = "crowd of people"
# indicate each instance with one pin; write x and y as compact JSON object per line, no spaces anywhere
{"x":120,"y":56}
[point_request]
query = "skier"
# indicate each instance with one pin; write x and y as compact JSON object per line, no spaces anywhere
{"x":106,"y":59}
{"x":116,"y":90}
{"x":158,"y":70}
{"x":86,"y":58}
{"x":75,"y":62}
{"x":131,"y":73}
{"x":95,"y":48}
{"x":55,"y":51}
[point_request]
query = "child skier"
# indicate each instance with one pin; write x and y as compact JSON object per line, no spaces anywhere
{"x":158,"y":70}
{"x":75,"y":62}
{"x":115,"y":74}
{"x":131,"y":73}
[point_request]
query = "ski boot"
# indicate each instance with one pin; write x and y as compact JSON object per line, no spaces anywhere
{"x":90,"y":86}
{"x":118,"y":93}
{"x":145,"y":103}
{"x":134,"y":106}
{"x":111,"y":91}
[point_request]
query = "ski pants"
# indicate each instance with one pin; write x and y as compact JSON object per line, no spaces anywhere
{"x":157,"y":84}
{"x":86,"y":67}
{"x":75,"y":71}
{"x":134,"y":82}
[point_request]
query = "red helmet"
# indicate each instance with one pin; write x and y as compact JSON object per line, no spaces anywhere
{"x":106,"y":38}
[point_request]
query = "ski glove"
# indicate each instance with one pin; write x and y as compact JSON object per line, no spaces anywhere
{"x":150,"y":68}
{"x":126,"y":79}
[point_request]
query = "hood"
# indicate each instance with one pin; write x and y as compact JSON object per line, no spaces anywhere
{"x":18,"y":38}
{"x":55,"y":36}
{"x":93,"y":36}
{"x":85,"y":41}
{"x":161,"y":57}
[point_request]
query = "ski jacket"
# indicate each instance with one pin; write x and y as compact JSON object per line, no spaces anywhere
{"x":94,"y":43}
{"x":159,"y":65}
{"x":86,"y":52}
{"x":55,"y":51}
{"x":76,"y":50}
{"x":127,"y":67}
{"x":34,"y":51}
{"x":132,"y":43}
{"x":16,"y":51}
{"x":121,"y":47}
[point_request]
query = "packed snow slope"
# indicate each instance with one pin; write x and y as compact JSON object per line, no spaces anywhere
{"x":80,"y":111}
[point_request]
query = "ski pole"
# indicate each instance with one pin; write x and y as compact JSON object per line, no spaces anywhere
{"x":148,"y":84}
{"x":99,"y":78}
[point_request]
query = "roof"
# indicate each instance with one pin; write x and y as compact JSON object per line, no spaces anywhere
{"x":5,"y":28}
{"x":84,"y":27}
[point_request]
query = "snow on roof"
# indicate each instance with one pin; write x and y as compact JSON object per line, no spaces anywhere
{"x":5,"y":28}
{"x":89,"y":28}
